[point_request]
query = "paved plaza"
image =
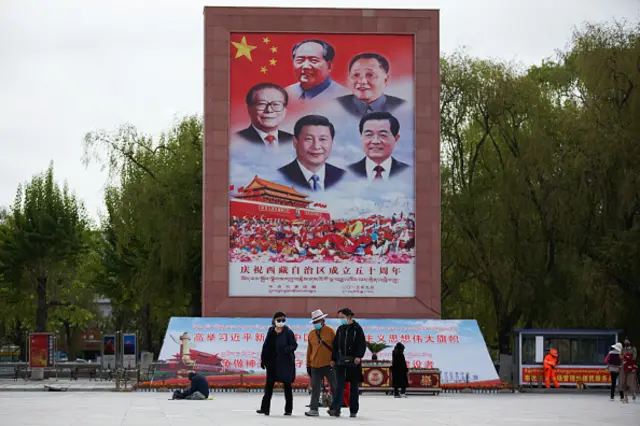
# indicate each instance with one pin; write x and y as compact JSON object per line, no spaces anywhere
{"x":146,"y":409}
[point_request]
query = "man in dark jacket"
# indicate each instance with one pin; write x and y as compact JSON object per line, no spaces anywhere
{"x":199,"y":389}
{"x":349,"y":347}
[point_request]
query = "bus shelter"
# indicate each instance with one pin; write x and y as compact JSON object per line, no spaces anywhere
{"x":581,"y":355}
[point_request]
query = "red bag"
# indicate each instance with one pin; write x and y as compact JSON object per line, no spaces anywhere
{"x":347,"y":393}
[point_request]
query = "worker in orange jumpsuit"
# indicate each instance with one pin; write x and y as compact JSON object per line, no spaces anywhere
{"x":550,"y":364}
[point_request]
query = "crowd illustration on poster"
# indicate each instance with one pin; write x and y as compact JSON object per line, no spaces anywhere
{"x":321,"y":165}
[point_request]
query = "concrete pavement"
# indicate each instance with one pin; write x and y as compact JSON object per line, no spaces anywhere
{"x":146,"y":409}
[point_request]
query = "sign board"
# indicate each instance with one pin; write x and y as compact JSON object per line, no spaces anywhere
{"x":146,"y":359}
{"x":336,"y":219}
{"x":109,"y":347}
{"x":593,"y":376}
{"x":41,"y":350}
{"x":129,"y":350}
{"x":225,"y":348}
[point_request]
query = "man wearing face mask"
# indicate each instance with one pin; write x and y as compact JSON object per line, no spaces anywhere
{"x":319,"y":356}
{"x":349,"y":348}
{"x":278,"y":358}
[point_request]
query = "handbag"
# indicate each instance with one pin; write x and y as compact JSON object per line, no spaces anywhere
{"x":345,"y":361}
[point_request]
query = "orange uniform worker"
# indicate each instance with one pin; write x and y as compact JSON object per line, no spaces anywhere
{"x":550,"y":364}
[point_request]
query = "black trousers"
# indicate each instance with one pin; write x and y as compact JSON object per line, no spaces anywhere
{"x":354,"y":392}
{"x":614,"y":381}
{"x":268,"y":393}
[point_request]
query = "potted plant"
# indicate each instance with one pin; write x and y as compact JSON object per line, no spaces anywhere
{"x":376,"y":348}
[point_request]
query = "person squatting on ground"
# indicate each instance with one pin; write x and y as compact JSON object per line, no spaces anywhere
{"x":628,"y":377}
{"x":319,"y":355}
{"x":399,"y":371}
{"x":550,"y":364}
{"x":278,"y":358}
{"x":614,"y":366}
{"x":199,"y":389}
{"x":349,"y":348}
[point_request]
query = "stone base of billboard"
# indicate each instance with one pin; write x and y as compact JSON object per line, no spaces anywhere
{"x":37,"y":374}
{"x":146,"y":409}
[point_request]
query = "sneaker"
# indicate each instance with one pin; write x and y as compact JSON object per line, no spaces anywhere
{"x":404,"y":395}
{"x":287,"y":414}
{"x":266,"y":413}
{"x":312,"y":413}
{"x":397,"y":396}
{"x":333,"y":413}
{"x":353,"y":415}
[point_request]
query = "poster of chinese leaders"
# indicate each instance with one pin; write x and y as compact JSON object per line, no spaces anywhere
{"x":321,"y":152}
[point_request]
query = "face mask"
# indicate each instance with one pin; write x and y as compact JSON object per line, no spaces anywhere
{"x":317,"y":326}
{"x":281,"y":323}
{"x":343,"y":321}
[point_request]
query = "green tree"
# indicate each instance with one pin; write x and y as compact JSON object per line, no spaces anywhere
{"x":43,"y":237}
{"x":153,"y":227}
{"x":541,"y":187}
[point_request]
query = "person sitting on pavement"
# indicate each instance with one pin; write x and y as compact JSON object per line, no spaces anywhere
{"x":198,"y":391}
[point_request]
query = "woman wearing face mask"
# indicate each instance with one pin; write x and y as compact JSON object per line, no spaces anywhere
{"x":278,"y":358}
{"x":349,"y":347}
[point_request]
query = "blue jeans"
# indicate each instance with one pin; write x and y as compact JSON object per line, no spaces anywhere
{"x":354,"y":397}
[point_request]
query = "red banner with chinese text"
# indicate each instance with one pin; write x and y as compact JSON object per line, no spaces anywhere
{"x":566,"y":375}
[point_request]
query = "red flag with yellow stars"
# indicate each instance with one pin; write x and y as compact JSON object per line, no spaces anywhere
{"x":260,"y":57}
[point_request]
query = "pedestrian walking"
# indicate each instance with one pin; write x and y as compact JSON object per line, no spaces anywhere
{"x":628,"y":348}
{"x":628,"y":377}
{"x":278,"y":358}
{"x":399,"y":371}
{"x":349,"y":348}
{"x":614,"y":365}
{"x":319,"y":357}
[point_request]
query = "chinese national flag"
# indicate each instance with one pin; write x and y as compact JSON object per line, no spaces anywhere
{"x":231,"y":187}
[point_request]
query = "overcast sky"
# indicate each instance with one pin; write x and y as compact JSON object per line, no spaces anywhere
{"x":70,"y":66}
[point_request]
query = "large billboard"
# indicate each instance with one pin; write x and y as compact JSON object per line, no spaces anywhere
{"x":227,"y":350}
{"x":321,"y":165}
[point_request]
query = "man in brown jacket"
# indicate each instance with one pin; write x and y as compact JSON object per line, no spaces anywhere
{"x":319,"y":354}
